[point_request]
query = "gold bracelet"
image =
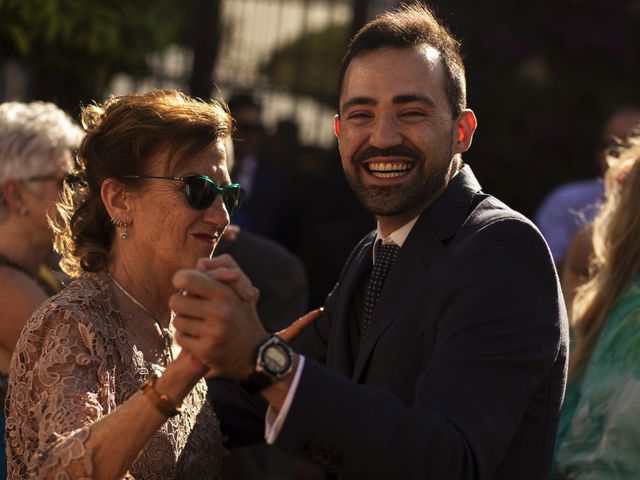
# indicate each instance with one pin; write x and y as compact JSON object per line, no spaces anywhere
{"x":162,"y":402}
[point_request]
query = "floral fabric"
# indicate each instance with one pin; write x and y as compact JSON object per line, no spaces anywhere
{"x":74,"y":363}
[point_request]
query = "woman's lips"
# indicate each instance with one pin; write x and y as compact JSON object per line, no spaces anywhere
{"x":206,"y":237}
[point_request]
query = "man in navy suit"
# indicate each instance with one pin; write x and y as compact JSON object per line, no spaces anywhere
{"x":457,"y":370}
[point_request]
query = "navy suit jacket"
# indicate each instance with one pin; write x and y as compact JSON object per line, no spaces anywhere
{"x":462,"y":371}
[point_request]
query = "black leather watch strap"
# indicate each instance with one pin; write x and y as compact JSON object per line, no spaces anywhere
{"x":256,"y":382}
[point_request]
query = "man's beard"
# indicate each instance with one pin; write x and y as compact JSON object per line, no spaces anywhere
{"x":382,"y":200}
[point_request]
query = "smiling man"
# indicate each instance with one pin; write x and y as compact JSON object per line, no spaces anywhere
{"x":400,"y":136}
{"x":442,"y":349}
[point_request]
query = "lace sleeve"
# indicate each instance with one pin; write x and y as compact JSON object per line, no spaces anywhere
{"x":60,"y":383}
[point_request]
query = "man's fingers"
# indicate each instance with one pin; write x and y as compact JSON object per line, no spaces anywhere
{"x":293,"y":330}
{"x":238,"y":281}
{"x":225,"y":269}
{"x":224,"y":260}
{"x":188,"y":305}
{"x":198,"y":284}
{"x":189,"y":326}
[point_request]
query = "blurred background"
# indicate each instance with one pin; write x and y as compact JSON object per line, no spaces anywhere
{"x":542,"y":77}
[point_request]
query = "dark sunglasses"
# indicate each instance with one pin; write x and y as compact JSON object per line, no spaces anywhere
{"x":201,"y":191}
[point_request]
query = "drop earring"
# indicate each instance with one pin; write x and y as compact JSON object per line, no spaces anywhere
{"x":24,"y":211}
{"x":124,"y":235}
{"x":122,"y":224}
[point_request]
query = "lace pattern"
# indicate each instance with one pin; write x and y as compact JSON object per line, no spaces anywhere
{"x":73,"y":364}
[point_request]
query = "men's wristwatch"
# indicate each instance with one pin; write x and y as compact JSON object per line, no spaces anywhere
{"x":274,"y":361}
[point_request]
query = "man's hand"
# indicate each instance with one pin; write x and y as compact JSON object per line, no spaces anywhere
{"x":216,"y":320}
{"x":225,"y":269}
{"x":215,"y":324}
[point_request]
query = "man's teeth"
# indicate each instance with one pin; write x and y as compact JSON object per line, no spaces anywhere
{"x":389,"y":169}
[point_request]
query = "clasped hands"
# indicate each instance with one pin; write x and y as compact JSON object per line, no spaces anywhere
{"x":217,"y":322}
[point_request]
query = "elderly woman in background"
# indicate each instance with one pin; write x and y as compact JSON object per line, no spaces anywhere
{"x":36,"y":140}
{"x":599,"y":434}
{"x":94,"y":389}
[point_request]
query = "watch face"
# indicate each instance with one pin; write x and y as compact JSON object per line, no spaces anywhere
{"x":276,"y":359}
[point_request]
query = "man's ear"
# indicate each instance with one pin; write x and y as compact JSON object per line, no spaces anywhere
{"x":336,"y":125}
{"x":116,"y":199}
{"x":465,"y":126}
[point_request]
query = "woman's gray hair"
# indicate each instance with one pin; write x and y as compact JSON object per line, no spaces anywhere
{"x":32,"y":135}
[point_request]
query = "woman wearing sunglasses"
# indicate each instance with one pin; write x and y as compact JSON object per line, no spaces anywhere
{"x":98,"y":388}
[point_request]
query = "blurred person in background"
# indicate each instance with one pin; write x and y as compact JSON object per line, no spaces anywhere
{"x":269,"y":205}
{"x":599,"y":433}
{"x":87,"y":396}
{"x":575,"y":269}
{"x":572,"y":205}
{"x":36,"y":144}
{"x":274,"y":270}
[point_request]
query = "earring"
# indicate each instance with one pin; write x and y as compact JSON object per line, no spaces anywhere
{"x":122,"y":224}
{"x":24,"y":211}
{"x":124,"y":235}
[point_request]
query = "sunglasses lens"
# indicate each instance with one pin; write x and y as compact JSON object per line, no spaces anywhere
{"x":200,"y":192}
{"x":232,"y":197}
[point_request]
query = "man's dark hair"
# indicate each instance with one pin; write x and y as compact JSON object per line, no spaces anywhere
{"x":409,"y":26}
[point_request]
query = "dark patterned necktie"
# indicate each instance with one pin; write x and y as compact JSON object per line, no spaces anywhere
{"x":385,"y":255}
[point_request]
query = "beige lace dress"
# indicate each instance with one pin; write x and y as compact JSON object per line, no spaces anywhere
{"x":73,"y":364}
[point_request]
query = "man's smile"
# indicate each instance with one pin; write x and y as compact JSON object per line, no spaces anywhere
{"x":388,"y":169}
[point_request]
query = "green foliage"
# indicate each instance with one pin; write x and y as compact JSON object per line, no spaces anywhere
{"x":85,"y":42}
{"x":309,"y":65}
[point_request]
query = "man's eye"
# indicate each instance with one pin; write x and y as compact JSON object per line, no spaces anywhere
{"x":359,"y":115}
{"x":413,"y":113}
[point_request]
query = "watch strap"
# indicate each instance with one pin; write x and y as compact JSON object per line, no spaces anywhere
{"x":162,"y":402}
{"x":256,"y":382}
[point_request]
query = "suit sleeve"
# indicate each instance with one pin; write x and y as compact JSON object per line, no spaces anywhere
{"x":499,"y":332}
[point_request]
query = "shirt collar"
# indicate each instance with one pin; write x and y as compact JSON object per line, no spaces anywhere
{"x":397,"y":237}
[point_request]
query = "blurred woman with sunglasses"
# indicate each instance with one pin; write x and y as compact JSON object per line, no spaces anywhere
{"x":599,"y":432}
{"x":97,"y":387}
{"x":36,"y":140}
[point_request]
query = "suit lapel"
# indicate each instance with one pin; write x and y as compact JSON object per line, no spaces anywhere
{"x":424,"y":246}
{"x":340,"y":357}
